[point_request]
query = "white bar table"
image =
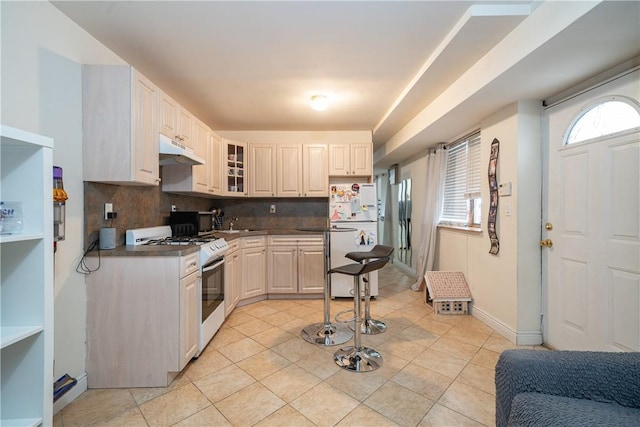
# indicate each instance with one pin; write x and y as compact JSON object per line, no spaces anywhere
{"x":327,"y":333}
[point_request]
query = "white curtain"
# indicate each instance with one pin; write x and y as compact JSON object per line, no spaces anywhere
{"x":388,"y":214}
{"x":436,"y":161}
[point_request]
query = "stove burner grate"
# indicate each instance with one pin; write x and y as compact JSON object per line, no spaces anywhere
{"x":177,"y":241}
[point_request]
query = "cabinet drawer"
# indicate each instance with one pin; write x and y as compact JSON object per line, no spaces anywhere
{"x":189,"y":264}
{"x":283,"y":240}
{"x":233,"y":246}
{"x":254,"y":242}
{"x":298,"y":239}
{"x":311,"y":240}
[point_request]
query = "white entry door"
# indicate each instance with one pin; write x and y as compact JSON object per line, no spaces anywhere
{"x":591,"y":214}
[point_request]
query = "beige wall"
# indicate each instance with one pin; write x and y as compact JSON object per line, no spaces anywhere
{"x":41,"y":92}
{"x":506,"y":287}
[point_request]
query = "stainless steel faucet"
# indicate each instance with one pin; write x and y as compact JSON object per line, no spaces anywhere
{"x":233,"y":218}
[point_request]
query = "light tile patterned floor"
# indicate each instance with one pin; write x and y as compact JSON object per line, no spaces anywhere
{"x":437,"y":371}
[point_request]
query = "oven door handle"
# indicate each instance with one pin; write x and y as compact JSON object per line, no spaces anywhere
{"x":214,"y":266}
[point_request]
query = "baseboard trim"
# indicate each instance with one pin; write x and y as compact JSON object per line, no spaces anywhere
{"x":516,"y":337}
{"x":493,"y":323}
{"x":72,"y":394}
{"x":529,"y":338}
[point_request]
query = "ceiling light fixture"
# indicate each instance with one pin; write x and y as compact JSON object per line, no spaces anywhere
{"x":319,"y":102}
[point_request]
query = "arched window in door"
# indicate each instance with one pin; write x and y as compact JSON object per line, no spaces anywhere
{"x":604,"y":117}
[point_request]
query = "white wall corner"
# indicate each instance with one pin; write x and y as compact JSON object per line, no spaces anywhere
{"x":515,"y":336}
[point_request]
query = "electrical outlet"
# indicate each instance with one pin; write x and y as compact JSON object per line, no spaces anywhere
{"x":108,"y":208}
{"x":272,"y":209}
{"x":173,"y":208}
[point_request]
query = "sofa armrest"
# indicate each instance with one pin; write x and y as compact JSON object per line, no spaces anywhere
{"x":599,"y":376}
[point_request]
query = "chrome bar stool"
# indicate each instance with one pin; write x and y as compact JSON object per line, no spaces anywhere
{"x":358,"y":358}
{"x":370,"y":326}
{"x":327,"y":333}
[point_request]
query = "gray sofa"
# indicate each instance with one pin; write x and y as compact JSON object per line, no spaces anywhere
{"x":567,"y":388}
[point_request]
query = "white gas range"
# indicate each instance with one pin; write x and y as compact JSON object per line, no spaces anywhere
{"x":211,"y":309}
{"x":211,"y":247}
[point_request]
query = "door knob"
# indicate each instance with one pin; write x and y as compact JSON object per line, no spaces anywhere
{"x":548,"y":243}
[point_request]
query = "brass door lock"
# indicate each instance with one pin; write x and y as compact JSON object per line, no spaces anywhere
{"x":547,"y":243}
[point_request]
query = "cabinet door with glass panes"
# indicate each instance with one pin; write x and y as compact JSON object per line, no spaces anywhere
{"x":235,"y":171}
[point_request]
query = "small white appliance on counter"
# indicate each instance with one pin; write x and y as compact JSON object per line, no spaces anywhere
{"x":212,"y":249}
{"x":352,"y":205}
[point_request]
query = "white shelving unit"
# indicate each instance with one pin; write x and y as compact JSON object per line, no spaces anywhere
{"x":26,"y":270}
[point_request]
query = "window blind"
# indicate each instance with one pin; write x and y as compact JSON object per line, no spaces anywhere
{"x":474,"y":175}
{"x":462,"y":180}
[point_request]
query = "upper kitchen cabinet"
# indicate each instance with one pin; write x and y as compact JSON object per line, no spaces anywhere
{"x":351,"y":159}
{"x":201,"y":148}
{"x":262,"y":170}
{"x":175,"y":121}
{"x":167,"y":115}
{"x":186,"y":128}
{"x":275,"y":170}
{"x":234,"y":172}
{"x":289,"y":170}
{"x":214,"y":160}
{"x":120,"y":139}
{"x":198,"y":180}
{"x":315,"y":179}
{"x":184,"y":178}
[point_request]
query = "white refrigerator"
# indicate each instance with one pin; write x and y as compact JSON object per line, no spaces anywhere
{"x":352,"y":205}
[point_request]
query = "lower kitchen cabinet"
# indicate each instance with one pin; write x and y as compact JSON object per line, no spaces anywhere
{"x":142,"y":320}
{"x":232,"y":276}
{"x":282,"y":264}
{"x":295,"y":265}
{"x":254,"y":258}
{"x":189,"y":301}
{"x":310,"y":269}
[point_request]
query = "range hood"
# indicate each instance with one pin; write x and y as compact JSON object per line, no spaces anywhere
{"x":174,"y":153}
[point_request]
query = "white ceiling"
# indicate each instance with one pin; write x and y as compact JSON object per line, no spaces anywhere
{"x":242,"y":65}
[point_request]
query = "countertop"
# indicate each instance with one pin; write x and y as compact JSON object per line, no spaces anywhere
{"x":181,"y":250}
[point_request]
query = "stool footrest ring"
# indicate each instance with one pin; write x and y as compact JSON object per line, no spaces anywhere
{"x":342,"y":313}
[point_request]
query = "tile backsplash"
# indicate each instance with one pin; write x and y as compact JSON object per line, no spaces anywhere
{"x":141,"y":206}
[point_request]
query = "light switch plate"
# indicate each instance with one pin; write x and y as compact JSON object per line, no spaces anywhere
{"x":504,"y":189}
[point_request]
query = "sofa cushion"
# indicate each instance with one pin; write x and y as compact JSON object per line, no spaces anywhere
{"x":536,"y":409}
{"x":599,"y":376}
